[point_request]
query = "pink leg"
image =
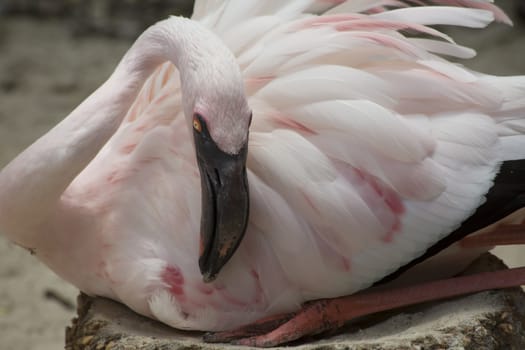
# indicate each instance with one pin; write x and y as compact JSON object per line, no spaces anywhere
{"x":502,"y":235}
{"x":327,"y":314}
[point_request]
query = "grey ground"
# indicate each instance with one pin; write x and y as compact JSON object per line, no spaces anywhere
{"x":44,"y":73}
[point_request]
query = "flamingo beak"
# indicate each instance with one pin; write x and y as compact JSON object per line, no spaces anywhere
{"x":225,"y":204}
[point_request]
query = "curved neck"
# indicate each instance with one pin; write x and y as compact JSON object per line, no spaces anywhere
{"x":32,"y":184}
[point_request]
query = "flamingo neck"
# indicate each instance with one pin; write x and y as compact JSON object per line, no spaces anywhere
{"x":31,"y":185}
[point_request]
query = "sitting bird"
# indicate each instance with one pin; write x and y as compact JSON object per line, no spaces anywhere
{"x":263,"y":161}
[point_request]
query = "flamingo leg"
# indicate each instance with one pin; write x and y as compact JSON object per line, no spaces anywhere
{"x":503,"y":235}
{"x":328,"y":314}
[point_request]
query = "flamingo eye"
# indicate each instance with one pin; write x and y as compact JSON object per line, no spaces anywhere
{"x":197,"y":124}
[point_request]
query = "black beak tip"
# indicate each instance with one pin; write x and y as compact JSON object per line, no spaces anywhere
{"x":208,"y":277}
{"x":208,"y":269}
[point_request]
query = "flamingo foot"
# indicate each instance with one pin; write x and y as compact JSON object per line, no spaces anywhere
{"x":330,"y":314}
{"x":262,"y":326}
{"x":315,"y":317}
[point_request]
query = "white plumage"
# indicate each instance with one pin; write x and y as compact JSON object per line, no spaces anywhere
{"x":365,"y":149}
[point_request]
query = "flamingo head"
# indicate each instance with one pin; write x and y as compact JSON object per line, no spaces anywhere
{"x":220,"y":119}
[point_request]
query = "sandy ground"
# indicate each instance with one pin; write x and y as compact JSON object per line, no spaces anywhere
{"x":44,"y":73}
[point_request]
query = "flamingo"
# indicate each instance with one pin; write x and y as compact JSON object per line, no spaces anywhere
{"x":266,"y":154}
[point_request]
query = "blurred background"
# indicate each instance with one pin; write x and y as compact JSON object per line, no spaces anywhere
{"x":53,"y":53}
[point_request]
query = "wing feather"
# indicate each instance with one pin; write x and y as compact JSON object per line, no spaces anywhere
{"x":332,"y":82}
{"x":443,"y":48}
{"x":442,"y":15}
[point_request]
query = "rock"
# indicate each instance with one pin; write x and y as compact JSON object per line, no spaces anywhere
{"x":483,"y":321}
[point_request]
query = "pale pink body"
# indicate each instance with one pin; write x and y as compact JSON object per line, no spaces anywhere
{"x":365,"y":149}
